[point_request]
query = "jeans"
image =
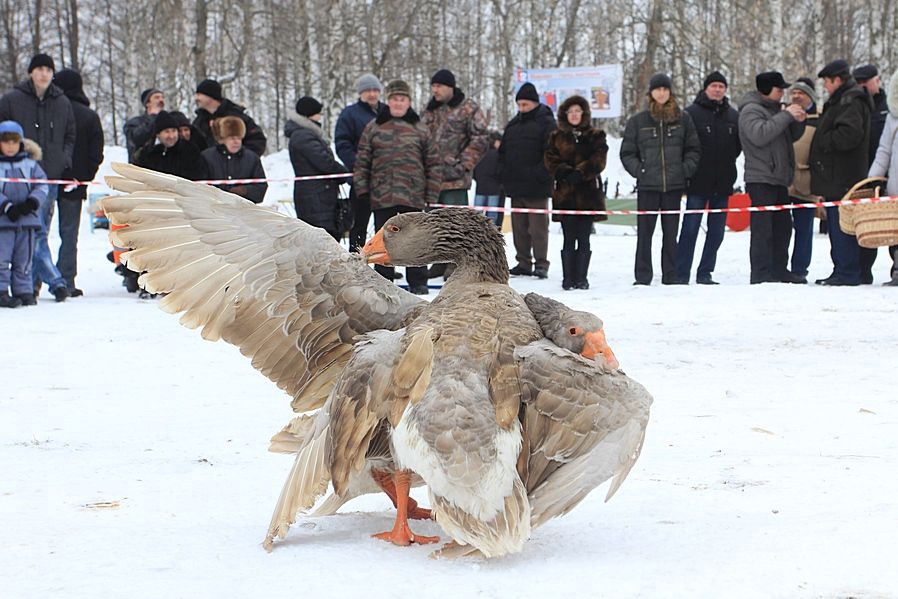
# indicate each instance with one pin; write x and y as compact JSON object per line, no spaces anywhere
{"x":689,"y":234}
{"x":845,"y":252}
{"x":803,"y":224}
{"x":770,"y":233}
{"x":645,"y":229}
{"x":43,"y":269}
{"x":492,"y":202}
{"x":69,"y":221}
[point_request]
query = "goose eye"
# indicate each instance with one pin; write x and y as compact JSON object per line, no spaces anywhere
{"x":392,"y":228}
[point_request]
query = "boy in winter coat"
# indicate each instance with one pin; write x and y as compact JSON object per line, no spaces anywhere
{"x":230,"y":160}
{"x":19,"y":221}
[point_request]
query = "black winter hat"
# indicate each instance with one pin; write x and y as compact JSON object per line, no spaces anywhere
{"x":308,"y":106}
{"x":68,"y":80}
{"x":145,"y":95}
{"x":766,"y":81}
{"x":865,"y":72}
{"x":444,"y":76}
{"x":527,"y":92}
{"x":660,"y":80}
{"x":164,"y":120}
{"x":714,"y":77}
{"x":211,"y":88}
{"x":41,"y":60}
{"x":837,"y":68}
{"x":180,"y":118}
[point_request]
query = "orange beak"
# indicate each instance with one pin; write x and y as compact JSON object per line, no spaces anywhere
{"x":595,"y":344}
{"x":375,"y":251}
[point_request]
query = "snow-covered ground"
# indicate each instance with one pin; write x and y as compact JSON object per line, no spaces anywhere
{"x":135,"y":464}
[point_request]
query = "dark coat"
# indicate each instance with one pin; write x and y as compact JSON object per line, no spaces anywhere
{"x":89,"y":141}
{"x":316,"y":200}
{"x":254,"y":139}
{"x":877,"y":122}
{"x":717,"y":125}
{"x":217,"y":163}
{"x":348,"y":132}
{"x":839,"y":149}
{"x":139,"y":130}
{"x":661,"y":153}
{"x":181,"y":160}
{"x":486,"y":174}
{"x":521,"y":166}
{"x":582,"y":149}
{"x":767,"y":133}
{"x":49,"y":121}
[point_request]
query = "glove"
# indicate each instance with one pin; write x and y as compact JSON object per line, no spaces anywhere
{"x":29,"y":206}
{"x":561,"y":175}
{"x":574,"y":178}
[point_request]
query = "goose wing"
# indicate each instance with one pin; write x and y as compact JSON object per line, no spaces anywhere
{"x":285,"y":293}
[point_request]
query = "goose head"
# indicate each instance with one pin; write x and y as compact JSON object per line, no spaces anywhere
{"x":460,"y":236}
{"x":580,"y":332}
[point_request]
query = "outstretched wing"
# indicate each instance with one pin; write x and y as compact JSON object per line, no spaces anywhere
{"x":583,"y":424}
{"x":284,"y":292}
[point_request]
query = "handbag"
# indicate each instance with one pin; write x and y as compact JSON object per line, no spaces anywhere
{"x":344,"y":218}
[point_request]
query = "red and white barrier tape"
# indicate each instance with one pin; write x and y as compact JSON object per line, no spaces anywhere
{"x":72,"y":183}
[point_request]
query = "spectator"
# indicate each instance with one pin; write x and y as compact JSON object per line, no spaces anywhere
{"x":839,"y":160}
{"x":803,"y":94}
{"x":527,"y":181}
{"x":168,"y":153}
{"x":575,"y":158}
{"x":661,"y":150}
{"x":885,"y":162}
{"x":396,"y":169}
{"x":19,"y":209}
{"x":717,"y":125}
{"x":139,"y":130}
{"x":767,"y":132}
{"x":46,"y":117}
{"x":315,"y":200}
{"x":211,"y":105}
{"x":230,"y":160}
{"x":187,"y":131}
{"x":86,"y":160}
{"x":350,"y":124}
{"x":486,"y":174}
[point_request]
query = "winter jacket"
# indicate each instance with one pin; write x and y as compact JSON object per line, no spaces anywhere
{"x":316,"y":200}
{"x":88,"y":154}
{"x":486,"y":174}
{"x":767,"y":133}
{"x":49,"y":121}
{"x":877,"y":122}
{"x":458,"y":128}
{"x":181,"y":160}
{"x":885,"y":163}
{"x":717,"y":125}
{"x":23,"y":165}
{"x":254,"y":139}
{"x":801,"y":183}
{"x":217,"y":163}
{"x":522,"y":168}
{"x":661,"y":153}
{"x":840,"y":145}
{"x":580,"y":149}
{"x":396,"y":164}
{"x":139,"y":130}
{"x":348,"y":132}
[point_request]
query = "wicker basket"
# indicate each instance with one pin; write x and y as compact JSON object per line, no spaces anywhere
{"x":877,"y":224}
{"x":866,"y":188}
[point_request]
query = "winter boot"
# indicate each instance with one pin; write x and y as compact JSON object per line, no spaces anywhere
{"x":568,"y":269}
{"x":582,"y":262}
{"x":8,"y":301}
{"x":436,"y":270}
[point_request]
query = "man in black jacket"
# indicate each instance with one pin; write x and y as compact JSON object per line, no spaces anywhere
{"x":838,"y":160}
{"x":230,"y":160}
{"x":717,"y":124}
{"x":86,"y":159}
{"x":140,"y":129}
{"x":167,"y":153}
{"x":527,"y":181}
{"x":211,"y":105}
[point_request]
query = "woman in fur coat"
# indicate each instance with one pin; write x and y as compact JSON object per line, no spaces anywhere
{"x":575,"y":157}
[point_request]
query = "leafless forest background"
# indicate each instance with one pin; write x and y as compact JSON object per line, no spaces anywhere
{"x":266,"y":52}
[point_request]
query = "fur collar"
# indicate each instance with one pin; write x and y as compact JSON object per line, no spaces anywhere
{"x":669,"y":112}
{"x":305,"y":122}
{"x":892,"y":98}
{"x":457,"y":98}
{"x":384,"y":115}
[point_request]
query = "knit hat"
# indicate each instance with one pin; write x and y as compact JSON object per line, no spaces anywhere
{"x":837,"y":68}
{"x":398,"y":87}
{"x":527,"y":92}
{"x":805,"y":85}
{"x":211,"y":88}
{"x":229,"y":126}
{"x":765,"y":82}
{"x":41,"y":60}
{"x":180,"y":118}
{"x":444,"y":76}
{"x":368,"y":81}
{"x":164,"y":120}
{"x":714,"y":77}
{"x":660,"y":80}
{"x":147,"y":93}
{"x":12,"y":127}
{"x":865,"y":72}
{"x":308,"y":106}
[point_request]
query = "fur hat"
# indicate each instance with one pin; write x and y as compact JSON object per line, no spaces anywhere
{"x":527,"y":92}
{"x":164,"y":120}
{"x":765,"y":82}
{"x":660,"y":80}
{"x":41,"y":60}
{"x":575,"y":101}
{"x":806,"y":86}
{"x":211,"y":88}
{"x":308,"y":106}
{"x":12,"y":127}
{"x":714,"y":77}
{"x":445,"y":77}
{"x":147,"y":93}
{"x":368,"y":81}
{"x":398,"y":87}
{"x":228,"y":126}
{"x":837,"y":68}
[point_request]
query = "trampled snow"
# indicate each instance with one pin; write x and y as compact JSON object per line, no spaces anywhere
{"x":135,"y":464}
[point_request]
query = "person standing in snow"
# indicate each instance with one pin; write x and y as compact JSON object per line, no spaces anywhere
{"x":139,"y":130}
{"x":804,"y":95}
{"x":230,"y":160}
{"x":488,"y":191}
{"x":885,"y":162}
{"x":212,"y":105}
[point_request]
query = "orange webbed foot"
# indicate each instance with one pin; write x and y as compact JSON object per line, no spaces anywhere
{"x":418,"y":513}
{"x":403,"y":536}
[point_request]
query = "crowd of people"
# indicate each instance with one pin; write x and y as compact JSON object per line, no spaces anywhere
{"x":397,"y":161}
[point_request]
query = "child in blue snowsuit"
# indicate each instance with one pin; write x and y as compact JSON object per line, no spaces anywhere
{"x":19,"y":221}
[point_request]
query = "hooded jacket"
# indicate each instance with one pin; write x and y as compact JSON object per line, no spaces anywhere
{"x":767,"y":133}
{"x":522,"y":166}
{"x":23,"y":165}
{"x":458,"y":128}
{"x":717,"y":125}
{"x":217,"y":163}
{"x":885,"y":163}
{"x":49,"y":121}
{"x":254,"y":139}
{"x":88,"y":154}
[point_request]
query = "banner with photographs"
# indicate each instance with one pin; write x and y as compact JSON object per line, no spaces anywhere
{"x":602,"y":85}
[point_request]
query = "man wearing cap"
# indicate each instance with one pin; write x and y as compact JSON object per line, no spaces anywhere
{"x":661,"y":150}
{"x":717,"y":124}
{"x":348,"y":131}
{"x":47,"y":118}
{"x":803,"y":94}
{"x":211,"y":105}
{"x":168,"y":153}
{"x":767,"y":132}
{"x":139,"y":130}
{"x":839,"y":160}
{"x":526,"y":180}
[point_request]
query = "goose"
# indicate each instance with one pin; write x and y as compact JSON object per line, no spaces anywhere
{"x":462,"y":394}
